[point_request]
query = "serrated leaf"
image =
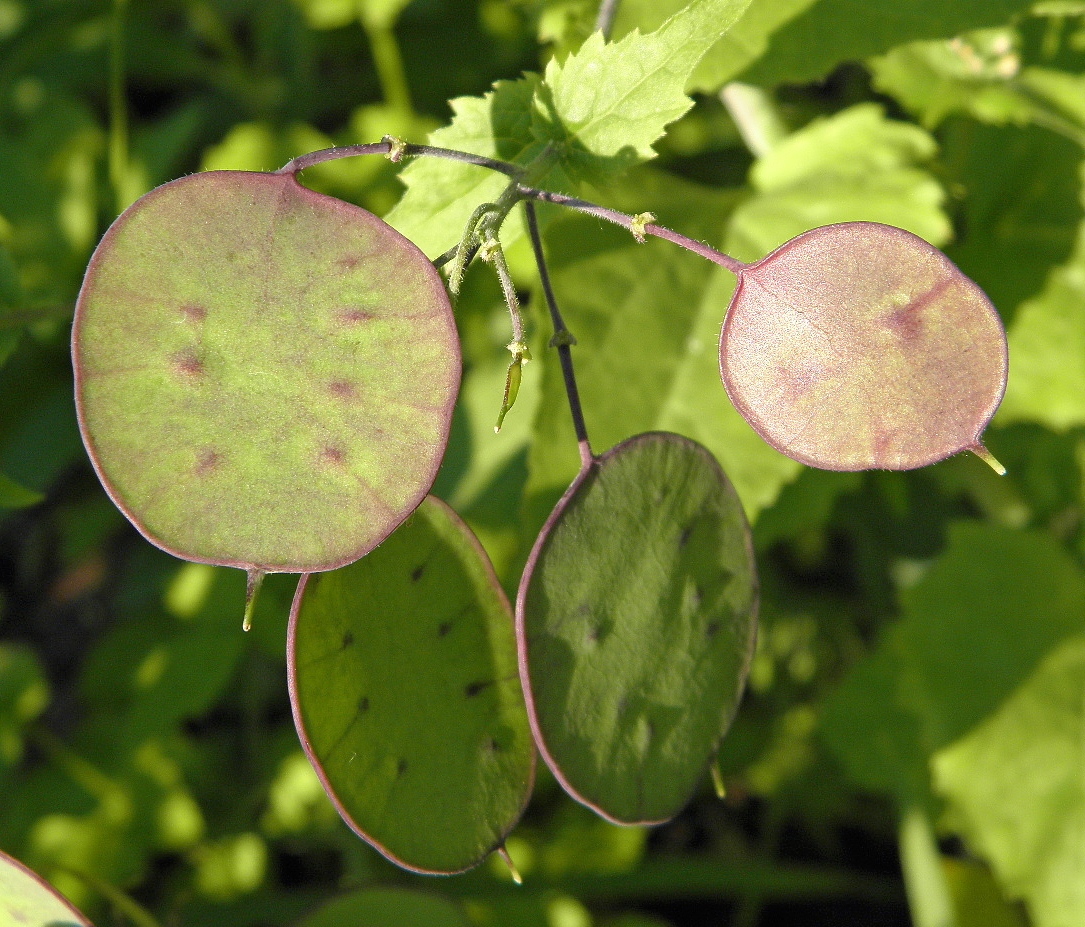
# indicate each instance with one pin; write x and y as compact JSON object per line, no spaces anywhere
{"x":612,"y":101}
{"x":1015,"y":786}
{"x":441,"y":195}
{"x":743,"y":43}
{"x":636,"y":618}
{"x":249,"y":364}
{"x":28,"y":900}
{"x":387,"y":907}
{"x":406,"y":696}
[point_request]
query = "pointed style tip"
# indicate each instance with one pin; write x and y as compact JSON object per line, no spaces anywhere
{"x":717,"y":781}
{"x":252,"y":590}
{"x":513,"y":871}
{"x":988,"y":458}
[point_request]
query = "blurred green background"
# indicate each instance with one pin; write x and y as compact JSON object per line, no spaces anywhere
{"x":909,"y":748}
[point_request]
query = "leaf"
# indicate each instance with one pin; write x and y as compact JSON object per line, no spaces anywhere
{"x":441,"y":195}
{"x":743,"y":43}
{"x":15,"y":496}
{"x":1047,"y":347}
{"x":265,"y":376}
{"x":29,"y":901}
{"x":1015,"y":786}
{"x":594,"y":115}
{"x":855,"y":165}
{"x":636,"y":618}
{"x":612,"y":101}
{"x":809,"y":45}
{"x":859,"y":345}
{"x":973,"y":629}
{"x":387,"y":907}
{"x":406,"y":697}
{"x":1021,"y":210}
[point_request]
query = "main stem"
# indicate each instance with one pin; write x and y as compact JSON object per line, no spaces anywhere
{"x":562,"y":340}
{"x":395,"y":149}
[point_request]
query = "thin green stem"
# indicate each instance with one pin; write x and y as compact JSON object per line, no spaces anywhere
{"x":562,"y":340}
{"x":924,"y":879}
{"x":604,"y":22}
{"x":118,"y":108}
{"x":634,"y":225}
{"x":389,"y":64}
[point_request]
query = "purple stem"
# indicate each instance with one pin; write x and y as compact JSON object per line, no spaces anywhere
{"x":626,"y":221}
{"x":386,"y":146}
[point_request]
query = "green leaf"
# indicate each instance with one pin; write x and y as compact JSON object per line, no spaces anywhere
{"x":15,"y":496}
{"x":858,"y":346}
{"x":743,"y":43}
{"x":1047,"y":350}
{"x":636,"y":619}
{"x":829,"y":32}
{"x":29,"y":901}
{"x":406,"y":696}
{"x":974,"y":629}
{"x":265,"y":376}
{"x":441,"y":195}
{"x":855,"y":165}
{"x":877,"y":739}
{"x":1021,"y":207}
{"x":387,"y":907}
{"x":1016,"y":789}
{"x":611,"y":101}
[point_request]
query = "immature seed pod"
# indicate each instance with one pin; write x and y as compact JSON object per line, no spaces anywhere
{"x":859,"y":346}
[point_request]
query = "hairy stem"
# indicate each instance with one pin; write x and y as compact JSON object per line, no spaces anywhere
{"x":604,"y":22}
{"x":388,"y":146}
{"x":631,"y":223}
{"x":563,"y":339}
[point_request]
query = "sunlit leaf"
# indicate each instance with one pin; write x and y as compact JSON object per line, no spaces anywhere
{"x":635,"y":621}
{"x":265,"y":376}
{"x":407,"y":699}
{"x":1015,"y":785}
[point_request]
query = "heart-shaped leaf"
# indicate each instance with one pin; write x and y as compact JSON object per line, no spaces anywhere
{"x":636,"y":620}
{"x":859,"y":345}
{"x":27,"y":900}
{"x":406,"y":697}
{"x":264,"y":375}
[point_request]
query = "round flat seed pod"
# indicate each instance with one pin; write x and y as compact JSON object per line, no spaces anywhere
{"x":27,"y":900}
{"x":635,"y":621}
{"x":387,"y":907}
{"x":859,"y":346}
{"x":265,"y":375}
{"x":406,"y":697}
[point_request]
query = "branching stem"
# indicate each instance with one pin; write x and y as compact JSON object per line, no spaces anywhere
{"x":604,"y":22}
{"x":562,"y":340}
{"x":396,"y":150}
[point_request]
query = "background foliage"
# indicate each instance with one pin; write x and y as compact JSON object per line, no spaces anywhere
{"x":909,"y":746}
